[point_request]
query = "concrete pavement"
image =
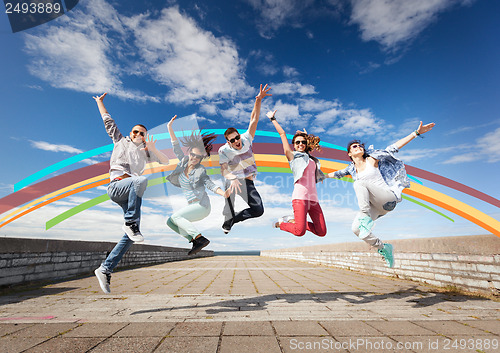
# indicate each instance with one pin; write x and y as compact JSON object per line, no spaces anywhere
{"x":246,"y":304}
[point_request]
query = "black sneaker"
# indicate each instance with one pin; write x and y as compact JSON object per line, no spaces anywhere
{"x":198,"y":244}
{"x":133,"y":232}
{"x":226,"y":226}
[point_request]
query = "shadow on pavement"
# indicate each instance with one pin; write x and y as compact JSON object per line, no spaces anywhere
{"x":17,"y":296}
{"x":413,"y":295}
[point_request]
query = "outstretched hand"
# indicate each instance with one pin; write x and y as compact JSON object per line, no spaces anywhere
{"x":235,"y":186}
{"x":263,"y":92}
{"x":100,"y":98}
{"x":304,"y":132}
{"x":422,"y":129}
{"x":270,"y":114}
{"x":150,"y":143}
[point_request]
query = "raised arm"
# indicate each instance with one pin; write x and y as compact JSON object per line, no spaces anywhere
{"x":109,"y":123}
{"x":254,"y":117}
{"x":171,"y":130}
{"x":100,"y":103}
{"x":286,"y":146}
{"x":422,"y":129}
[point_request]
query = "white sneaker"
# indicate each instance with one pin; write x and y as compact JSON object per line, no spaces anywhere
{"x":133,"y":232}
{"x":276,"y":224}
{"x":284,"y":219}
{"x":104,"y":280}
{"x":288,"y":219}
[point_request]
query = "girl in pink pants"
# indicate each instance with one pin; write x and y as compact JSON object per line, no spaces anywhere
{"x":306,"y":173}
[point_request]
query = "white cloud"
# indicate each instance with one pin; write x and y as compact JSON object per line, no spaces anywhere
{"x":356,"y":122}
{"x":489,"y":146}
{"x":486,"y":148}
{"x":239,"y":112}
{"x":75,"y":52}
{"x":317,"y":105}
{"x":292,"y":88}
{"x":91,"y":50}
{"x":273,"y":14}
{"x":288,"y":114}
{"x":393,"y":22}
{"x":289,"y":71}
{"x":371,"y":66}
{"x":208,"y":108}
{"x":178,"y":53}
{"x":46,"y":146}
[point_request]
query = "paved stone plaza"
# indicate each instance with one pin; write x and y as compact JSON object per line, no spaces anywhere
{"x":246,"y":304}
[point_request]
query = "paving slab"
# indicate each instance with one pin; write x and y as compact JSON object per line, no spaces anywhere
{"x":70,"y":344}
{"x":188,"y":345}
{"x":249,"y":344}
{"x":246,"y":304}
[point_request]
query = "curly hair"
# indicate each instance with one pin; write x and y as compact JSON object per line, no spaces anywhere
{"x":202,"y":141}
{"x":312,"y":141}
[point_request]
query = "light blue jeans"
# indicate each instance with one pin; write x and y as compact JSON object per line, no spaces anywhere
{"x":128,"y":194}
{"x":180,"y":221}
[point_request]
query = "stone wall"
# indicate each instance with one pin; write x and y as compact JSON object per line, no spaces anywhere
{"x":25,"y":260}
{"x":467,"y":262}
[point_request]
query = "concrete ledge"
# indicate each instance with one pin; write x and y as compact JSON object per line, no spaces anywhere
{"x":24,"y":260}
{"x":469,"y":262}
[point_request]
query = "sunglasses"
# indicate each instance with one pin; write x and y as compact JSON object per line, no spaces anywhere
{"x":135,"y":132}
{"x":298,"y":142}
{"x":194,"y":155}
{"x":356,"y":146}
{"x":233,"y":140}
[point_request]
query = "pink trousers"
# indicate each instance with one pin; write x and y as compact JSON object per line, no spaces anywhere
{"x":300,"y":210}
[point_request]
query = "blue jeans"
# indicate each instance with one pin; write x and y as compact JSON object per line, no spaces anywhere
{"x":116,"y":254}
{"x":128,"y":194}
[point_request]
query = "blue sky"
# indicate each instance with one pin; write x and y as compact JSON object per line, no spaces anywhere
{"x":340,"y":68}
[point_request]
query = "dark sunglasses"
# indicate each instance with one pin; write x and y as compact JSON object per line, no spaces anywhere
{"x":356,"y":146}
{"x":194,"y":155}
{"x":298,"y":142}
{"x":135,"y":132}
{"x":233,"y":140}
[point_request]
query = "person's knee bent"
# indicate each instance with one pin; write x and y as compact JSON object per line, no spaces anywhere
{"x":257,"y":211}
{"x":140,"y":184}
{"x":171,"y":223}
{"x":355,"y":227}
{"x":321,"y":233}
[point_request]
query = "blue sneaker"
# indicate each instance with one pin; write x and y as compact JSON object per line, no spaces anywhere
{"x":365,"y":226}
{"x":388,"y":253}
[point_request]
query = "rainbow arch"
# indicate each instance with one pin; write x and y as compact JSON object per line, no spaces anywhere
{"x":269,"y":158}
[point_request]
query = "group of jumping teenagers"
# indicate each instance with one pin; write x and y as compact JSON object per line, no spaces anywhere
{"x":379,"y":179}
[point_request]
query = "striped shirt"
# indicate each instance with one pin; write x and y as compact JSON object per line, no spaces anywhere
{"x":186,"y":187}
{"x":241,"y":162}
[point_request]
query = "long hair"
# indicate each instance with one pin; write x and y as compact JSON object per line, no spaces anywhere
{"x":202,"y":141}
{"x":312,"y":141}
